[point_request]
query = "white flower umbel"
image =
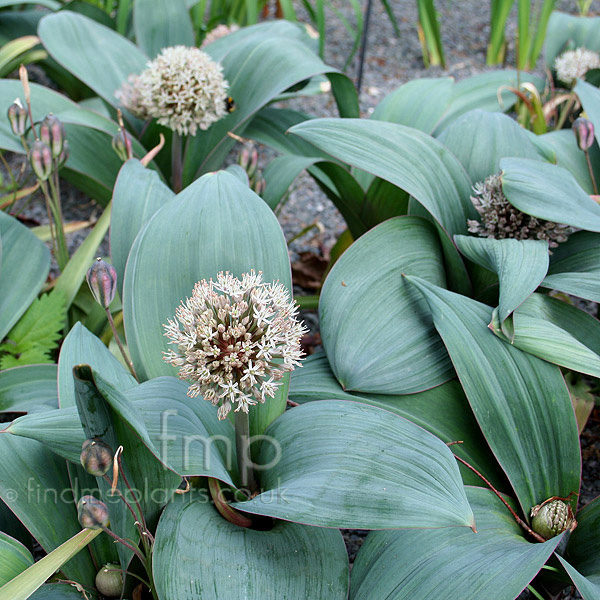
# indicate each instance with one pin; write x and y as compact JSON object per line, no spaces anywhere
{"x":235,"y":340}
{"x":182,"y":88}
{"x":573,"y":64}
{"x":219,"y":32}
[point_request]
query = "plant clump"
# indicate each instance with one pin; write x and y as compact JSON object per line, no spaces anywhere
{"x":573,"y":64}
{"x":239,"y":337}
{"x":182,"y":88}
{"x":499,"y":219}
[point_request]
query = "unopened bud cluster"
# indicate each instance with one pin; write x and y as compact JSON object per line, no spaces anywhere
{"x":248,"y":160}
{"x":499,"y":219}
{"x":122,"y":144}
{"x":238,"y":339}
{"x":584,"y":133}
{"x":552,"y":517}
{"x":102,"y":280}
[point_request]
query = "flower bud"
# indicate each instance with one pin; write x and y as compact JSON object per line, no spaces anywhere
{"x":96,"y":457}
{"x":64,"y":155}
{"x":121,"y":144}
{"x":92,"y":513}
{"x":244,"y":159}
{"x":17,"y":116}
{"x":40,"y":159}
{"x":109,"y":580}
{"x":584,"y":132}
{"x":552,"y":517}
{"x":102,"y":279}
{"x":52,"y":133}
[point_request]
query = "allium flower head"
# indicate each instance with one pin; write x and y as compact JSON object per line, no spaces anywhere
{"x":218,"y":32}
{"x":183,"y":88}
{"x":237,"y":339}
{"x":572,"y":64}
{"x":499,"y":219}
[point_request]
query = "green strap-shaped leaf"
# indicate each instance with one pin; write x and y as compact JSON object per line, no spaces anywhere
{"x":24,"y":266}
{"x":279,"y":175}
{"x":35,"y":486}
{"x":288,"y":561}
{"x":521,"y":265}
{"x":83,"y":347}
{"x":365,"y":306}
{"x":479,"y":139}
{"x":56,"y":591}
{"x":23,"y":585}
{"x":345,"y":464}
{"x":450,"y":563}
{"x":28,"y":389}
{"x":158,"y":25}
{"x":548,"y":192}
{"x":138,"y":194}
{"x":563,"y":27}
{"x":521,"y":402}
{"x":588,"y":587}
{"x":14,"y":558}
{"x":575,"y":266}
{"x":557,"y":332}
{"x":443,"y":411}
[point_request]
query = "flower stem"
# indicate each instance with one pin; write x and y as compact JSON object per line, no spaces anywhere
{"x":176,"y":162}
{"x":242,"y":446}
{"x":119,"y":343}
{"x":565,"y":112}
{"x":589,"y":164}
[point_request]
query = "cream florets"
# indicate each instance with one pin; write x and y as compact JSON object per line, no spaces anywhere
{"x":499,"y":219}
{"x":182,"y":88}
{"x":218,"y":32}
{"x":237,"y":339}
{"x":573,"y":64}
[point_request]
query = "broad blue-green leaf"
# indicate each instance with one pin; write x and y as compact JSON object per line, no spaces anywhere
{"x":588,"y":587}
{"x":27,"y":582}
{"x":138,"y":194}
{"x":366,"y":306}
{"x":288,"y":561}
{"x":24,"y":265}
{"x":575,"y":266}
{"x":589,"y":96}
{"x":14,"y":558}
{"x":83,"y":347}
{"x":160,"y":24}
{"x":479,"y":139}
{"x":563,"y":28}
{"x":451,"y":563}
{"x":35,"y":486}
{"x":28,"y":389}
{"x":351,"y":465}
{"x":443,"y":411}
{"x":486,"y":91}
{"x":557,"y":332}
{"x":279,"y":175}
{"x":56,"y":591}
{"x":216,"y":224}
{"x":409,"y":159}
{"x":80,"y":44}
{"x":548,"y":192}
{"x":521,"y":402}
{"x":521,"y":265}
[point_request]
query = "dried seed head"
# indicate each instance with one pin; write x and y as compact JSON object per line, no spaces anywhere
{"x":17,"y":117}
{"x":499,"y":219}
{"x":573,"y":64}
{"x":40,"y":159}
{"x":109,"y":580}
{"x":218,"y":32}
{"x":92,"y":513}
{"x":96,"y":457}
{"x":237,"y":340}
{"x":183,"y":88}
{"x":102,"y":279}
{"x":584,"y":132}
{"x":552,"y":517}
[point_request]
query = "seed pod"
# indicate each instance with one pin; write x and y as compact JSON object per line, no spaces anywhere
{"x":102,"y":279}
{"x":121,"y":144}
{"x":92,"y":513}
{"x":551,"y":518}
{"x":52,"y":133}
{"x":40,"y":159}
{"x":64,"y":155}
{"x":584,"y":132}
{"x":17,"y":117}
{"x":96,"y":457}
{"x":109,"y":580}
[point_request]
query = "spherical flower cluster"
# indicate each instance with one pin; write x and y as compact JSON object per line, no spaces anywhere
{"x":238,"y":338}
{"x":499,"y":219}
{"x":183,"y":88}
{"x":572,"y":64}
{"x":218,"y":32}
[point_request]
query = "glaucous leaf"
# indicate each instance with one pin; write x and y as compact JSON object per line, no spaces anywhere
{"x":14,"y":558}
{"x":563,"y":27}
{"x":588,"y":587}
{"x":28,"y":389}
{"x":589,"y":96}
